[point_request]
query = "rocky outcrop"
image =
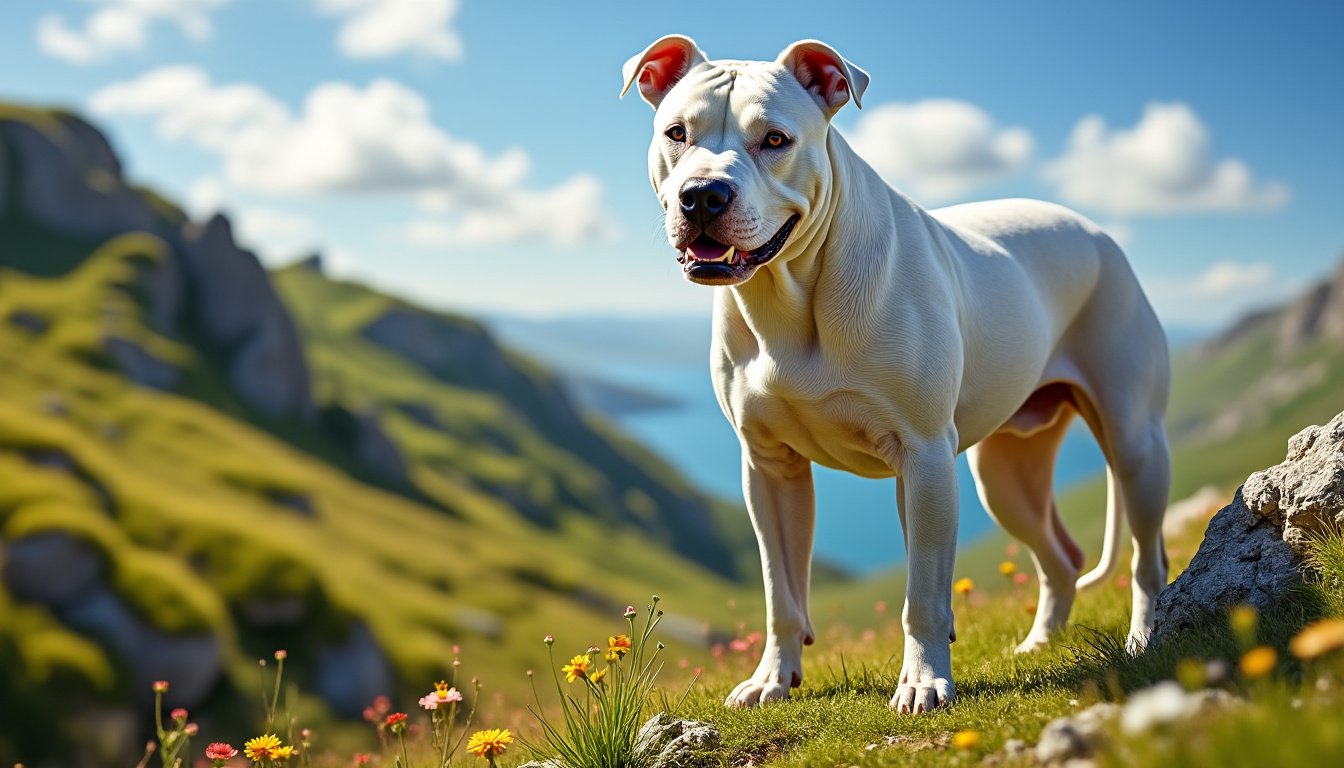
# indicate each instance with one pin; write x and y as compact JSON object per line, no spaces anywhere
{"x":70,"y":179}
{"x":239,"y":311}
{"x":1316,"y":313}
{"x":1253,"y":550}
{"x":70,"y":182}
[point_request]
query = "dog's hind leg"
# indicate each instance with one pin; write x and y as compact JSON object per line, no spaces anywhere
{"x":1014,"y":470}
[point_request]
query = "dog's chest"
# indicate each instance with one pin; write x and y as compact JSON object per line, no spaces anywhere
{"x":817,"y":414}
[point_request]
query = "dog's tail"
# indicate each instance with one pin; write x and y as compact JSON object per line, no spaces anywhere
{"x":1110,"y":547}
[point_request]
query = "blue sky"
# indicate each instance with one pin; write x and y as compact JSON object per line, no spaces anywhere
{"x":474,"y":155}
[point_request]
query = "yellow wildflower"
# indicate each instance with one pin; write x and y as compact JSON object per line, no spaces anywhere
{"x":1316,"y":639}
{"x":619,"y":645}
{"x":489,"y":743}
{"x":966,"y":740}
{"x":963,"y":586}
{"x":1007,"y":568}
{"x":1243,"y":619}
{"x":282,"y":753}
{"x":1259,"y":661}
{"x":259,"y":748}
{"x":597,"y":676}
{"x":577,"y":667}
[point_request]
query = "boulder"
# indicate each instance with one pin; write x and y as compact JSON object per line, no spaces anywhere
{"x":191,"y":663}
{"x":1304,"y":495}
{"x":52,"y":568}
{"x":667,"y":742}
{"x":352,"y":672}
{"x":1253,"y":549}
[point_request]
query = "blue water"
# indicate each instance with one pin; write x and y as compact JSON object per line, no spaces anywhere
{"x":857,"y":524}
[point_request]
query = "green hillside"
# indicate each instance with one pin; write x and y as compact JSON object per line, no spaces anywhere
{"x":183,"y":489}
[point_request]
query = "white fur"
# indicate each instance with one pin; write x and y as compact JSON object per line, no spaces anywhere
{"x":884,"y":339}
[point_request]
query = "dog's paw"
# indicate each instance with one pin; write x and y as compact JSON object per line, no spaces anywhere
{"x":749,"y":693}
{"x":922,"y":695}
{"x":1033,"y":642}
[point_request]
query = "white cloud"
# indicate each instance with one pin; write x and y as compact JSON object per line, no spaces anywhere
{"x":205,"y":197}
{"x":374,"y":29}
{"x":1230,"y":277}
{"x":121,"y":26}
{"x":569,"y":214}
{"x":350,"y":140}
{"x":1218,"y":294}
{"x":1162,"y":165}
{"x":939,"y":149}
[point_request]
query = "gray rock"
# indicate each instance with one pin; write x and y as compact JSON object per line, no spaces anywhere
{"x":52,"y":568}
{"x":666,"y":742}
{"x":1304,"y":495}
{"x":352,"y":672}
{"x":69,"y":180}
{"x":139,"y":365}
{"x":1252,"y":550}
{"x":29,"y":321}
{"x":1079,"y":736}
{"x":375,"y":450}
{"x":239,"y":311}
{"x":192,"y":664}
{"x":1242,"y":560}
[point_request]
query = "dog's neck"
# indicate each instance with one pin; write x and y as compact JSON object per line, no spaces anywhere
{"x":815,"y":289}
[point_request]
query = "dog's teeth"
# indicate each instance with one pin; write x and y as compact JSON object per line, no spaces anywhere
{"x":728,"y":255}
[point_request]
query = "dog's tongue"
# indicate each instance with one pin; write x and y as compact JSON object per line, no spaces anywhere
{"x":706,"y":249}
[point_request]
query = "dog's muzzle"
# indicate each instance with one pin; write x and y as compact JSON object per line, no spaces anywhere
{"x":709,"y":262}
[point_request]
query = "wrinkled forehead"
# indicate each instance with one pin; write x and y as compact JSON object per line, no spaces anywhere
{"x":748,"y":95}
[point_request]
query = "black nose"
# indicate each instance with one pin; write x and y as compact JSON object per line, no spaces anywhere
{"x":703,"y":200}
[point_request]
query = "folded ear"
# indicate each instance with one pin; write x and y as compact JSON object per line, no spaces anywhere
{"x":825,"y":74}
{"x":660,"y":66}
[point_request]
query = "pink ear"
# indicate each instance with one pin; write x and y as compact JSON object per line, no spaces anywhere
{"x":660,"y":66}
{"x":825,"y":74}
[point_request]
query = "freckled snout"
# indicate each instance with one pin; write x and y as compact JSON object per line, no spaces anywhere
{"x":703,"y":200}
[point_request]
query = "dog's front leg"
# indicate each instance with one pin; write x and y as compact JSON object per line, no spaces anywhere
{"x":777,"y":483}
{"x":929,"y":519}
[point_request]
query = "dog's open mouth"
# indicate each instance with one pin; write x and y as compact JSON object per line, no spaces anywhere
{"x":709,"y":262}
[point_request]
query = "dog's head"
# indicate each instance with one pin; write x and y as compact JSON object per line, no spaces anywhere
{"x":739,"y":153}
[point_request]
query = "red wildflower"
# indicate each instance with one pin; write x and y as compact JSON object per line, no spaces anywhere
{"x":220,"y":751}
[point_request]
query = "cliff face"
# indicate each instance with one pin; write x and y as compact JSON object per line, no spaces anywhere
{"x":62,"y":178}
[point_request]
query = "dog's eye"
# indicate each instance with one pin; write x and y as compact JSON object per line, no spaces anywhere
{"x":775,"y":140}
{"x":676,"y":133}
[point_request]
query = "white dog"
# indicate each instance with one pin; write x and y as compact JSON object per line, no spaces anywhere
{"x":854,"y":329}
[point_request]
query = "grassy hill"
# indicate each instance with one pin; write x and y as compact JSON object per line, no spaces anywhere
{"x":407,"y":502}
